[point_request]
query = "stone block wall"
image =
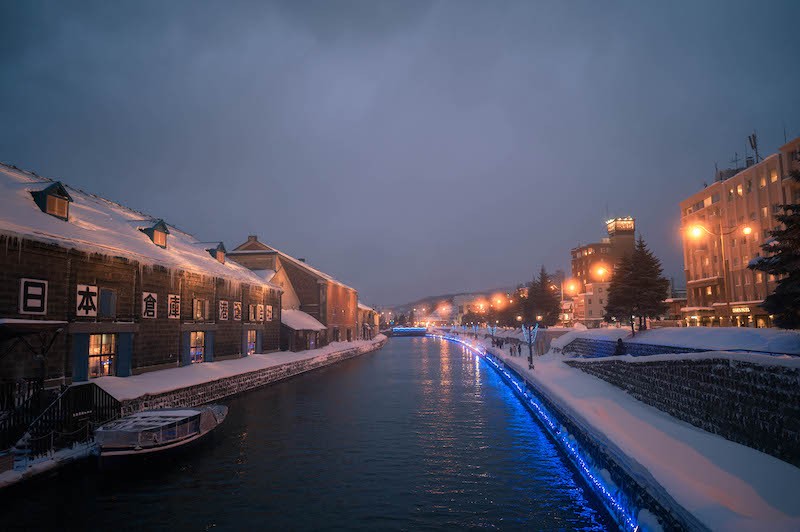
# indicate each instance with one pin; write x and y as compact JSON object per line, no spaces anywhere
{"x":589,"y":348}
{"x":228,"y":386}
{"x":753,"y":404}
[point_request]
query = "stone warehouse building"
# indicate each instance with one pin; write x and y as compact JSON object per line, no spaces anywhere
{"x":325,"y":300}
{"x":90,"y":288}
{"x":724,"y":226}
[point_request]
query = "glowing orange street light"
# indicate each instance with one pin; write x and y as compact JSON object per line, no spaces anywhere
{"x":747,"y":230}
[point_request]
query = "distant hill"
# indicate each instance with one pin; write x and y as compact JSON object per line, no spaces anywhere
{"x":432,"y":301}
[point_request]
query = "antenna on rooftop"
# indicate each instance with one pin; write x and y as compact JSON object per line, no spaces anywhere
{"x":784,"y":133}
{"x":754,"y":143}
{"x":735,"y":160}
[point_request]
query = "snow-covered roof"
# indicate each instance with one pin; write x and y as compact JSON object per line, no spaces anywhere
{"x":297,"y":262}
{"x":98,"y":225}
{"x":362,"y":306}
{"x":300,"y":321}
{"x":267,"y":275}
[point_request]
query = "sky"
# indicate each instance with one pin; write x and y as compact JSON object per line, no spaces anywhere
{"x":407,"y":148}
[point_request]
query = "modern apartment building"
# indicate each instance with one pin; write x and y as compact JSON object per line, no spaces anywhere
{"x":723,"y":227}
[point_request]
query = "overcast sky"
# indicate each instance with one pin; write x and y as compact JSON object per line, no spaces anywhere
{"x":407,"y":148}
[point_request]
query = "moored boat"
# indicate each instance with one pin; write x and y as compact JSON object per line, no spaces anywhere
{"x":153,"y":432}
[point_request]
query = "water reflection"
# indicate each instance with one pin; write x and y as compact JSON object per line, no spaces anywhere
{"x":416,"y":436}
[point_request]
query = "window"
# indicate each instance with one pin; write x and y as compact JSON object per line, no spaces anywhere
{"x":764,"y":212}
{"x":762,"y":182}
{"x":773,"y":176}
{"x":157,"y":232}
{"x":752,"y":216}
{"x":197,"y":346}
{"x":590,"y":301}
{"x":108,"y":303}
{"x":53,"y":200}
{"x":252,"y":312}
{"x":160,"y":238}
{"x":735,"y":261}
{"x":251,"y":342}
{"x":200,"y":309}
{"x":759,"y":277}
{"x":739,"y":190}
{"x":57,"y":206}
{"x":749,"y":186}
{"x":601,"y":301}
{"x":102,"y":355}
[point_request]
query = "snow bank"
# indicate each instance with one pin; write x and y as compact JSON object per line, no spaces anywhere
{"x":752,"y":358}
{"x":725,"y":485}
{"x":167,"y":380}
{"x":710,"y":338}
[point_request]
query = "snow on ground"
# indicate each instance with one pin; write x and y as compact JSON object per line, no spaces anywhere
{"x":156,"y":382}
{"x":715,"y":338}
{"x":726,"y":485}
{"x":753,"y":358}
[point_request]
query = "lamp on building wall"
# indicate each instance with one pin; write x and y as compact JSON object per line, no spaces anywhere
{"x":697,"y":231}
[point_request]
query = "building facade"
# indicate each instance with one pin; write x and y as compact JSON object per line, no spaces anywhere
{"x":595,"y":262}
{"x":89,"y":288}
{"x":724,"y":226}
{"x":309,"y":290}
{"x":589,"y":307}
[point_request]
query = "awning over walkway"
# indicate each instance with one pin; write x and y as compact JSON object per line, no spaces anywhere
{"x":300,"y":321}
{"x":14,"y":328}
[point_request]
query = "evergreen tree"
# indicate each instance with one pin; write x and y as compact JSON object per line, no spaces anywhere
{"x":620,"y":304}
{"x":542,"y":300}
{"x":637,"y":288}
{"x":783,"y":259}
{"x":649,"y":285}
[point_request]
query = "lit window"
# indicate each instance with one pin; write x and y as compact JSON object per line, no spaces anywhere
{"x":773,"y":176}
{"x":200,"y":309}
{"x":739,"y":190}
{"x":762,"y":182}
{"x":102,"y":355}
{"x":251,"y":342}
{"x":197,"y":346}
{"x":57,"y":206}
{"x":53,"y":200}
{"x":160,"y":238}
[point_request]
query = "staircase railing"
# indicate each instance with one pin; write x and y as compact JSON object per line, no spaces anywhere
{"x":20,"y":403}
{"x":70,"y":419}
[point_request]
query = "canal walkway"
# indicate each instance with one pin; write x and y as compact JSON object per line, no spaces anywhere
{"x":727,"y":486}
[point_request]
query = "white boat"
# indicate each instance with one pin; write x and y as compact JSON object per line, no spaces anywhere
{"x":152,"y":432}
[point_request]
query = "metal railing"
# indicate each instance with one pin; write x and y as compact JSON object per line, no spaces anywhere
{"x":21,"y":401}
{"x":70,"y":419}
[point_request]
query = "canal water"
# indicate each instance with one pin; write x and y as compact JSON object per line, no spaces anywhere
{"x":421,"y":435}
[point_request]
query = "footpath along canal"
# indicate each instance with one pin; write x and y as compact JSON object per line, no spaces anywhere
{"x":419,"y":435}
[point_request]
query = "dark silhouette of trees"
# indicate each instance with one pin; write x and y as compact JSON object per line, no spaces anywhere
{"x":637,"y":288}
{"x":542,"y":300}
{"x":783,"y":259}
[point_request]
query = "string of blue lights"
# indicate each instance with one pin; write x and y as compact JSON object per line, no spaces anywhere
{"x":615,"y":502}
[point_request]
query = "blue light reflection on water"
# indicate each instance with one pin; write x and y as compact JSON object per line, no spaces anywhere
{"x":614,"y":501}
{"x":418,"y":436}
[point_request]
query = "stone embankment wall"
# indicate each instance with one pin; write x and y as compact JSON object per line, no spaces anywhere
{"x":757,"y":405}
{"x":588,"y":348}
{"x":221,"y":388}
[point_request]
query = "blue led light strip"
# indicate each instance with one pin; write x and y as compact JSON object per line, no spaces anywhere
{"x":613,"y":502}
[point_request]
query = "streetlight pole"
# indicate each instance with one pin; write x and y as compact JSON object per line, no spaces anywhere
{"x":695,"y":231}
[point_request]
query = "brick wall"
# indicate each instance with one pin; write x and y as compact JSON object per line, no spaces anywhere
{"x":158,"y":342}
{"x":752,"y":404}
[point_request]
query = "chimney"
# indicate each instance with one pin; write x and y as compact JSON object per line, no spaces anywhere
{"x":252,"y":238}
{"x":302,"y":259}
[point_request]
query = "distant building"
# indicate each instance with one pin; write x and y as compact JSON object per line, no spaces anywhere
{"x":90,"y":288}
{"x":307,"y":289}
{"x":595,"y":262}
{"x":368,"y":322}
{"x":724,"y":226}
{"x":589,"y":307}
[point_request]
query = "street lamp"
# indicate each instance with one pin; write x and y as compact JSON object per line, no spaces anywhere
{"x":696,"y":231}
